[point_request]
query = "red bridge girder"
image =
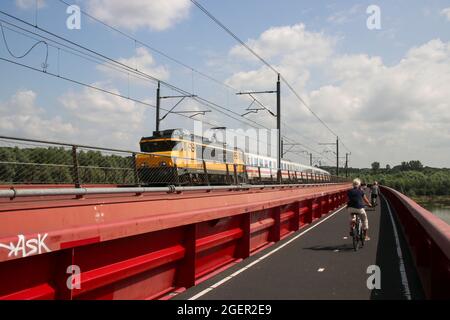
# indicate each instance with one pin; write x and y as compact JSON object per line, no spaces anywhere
{"x":144,"y":246}
{"x":429,"y":241}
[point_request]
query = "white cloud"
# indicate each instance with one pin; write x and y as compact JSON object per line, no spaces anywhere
{"x":134,"y":14}
{"x":104,"y":119}
{"x":293,"y":45}
{"x":446,"y":12}
{"x":143,"y":61}
{"x":291,"y":49}
{"x":28,"y":4}
{"x":395,"y":113}
{"x":386,"y":113}
{"x":95,"y":118}
{"x":352,"y":66}
{"x":20,"y":116}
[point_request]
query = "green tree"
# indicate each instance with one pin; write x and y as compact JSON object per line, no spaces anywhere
{"x":375,"y":166}
{"x":415,"y":165}
{"x":7,"y":170}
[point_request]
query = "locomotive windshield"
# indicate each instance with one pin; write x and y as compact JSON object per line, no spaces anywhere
{"x":160,"y":146}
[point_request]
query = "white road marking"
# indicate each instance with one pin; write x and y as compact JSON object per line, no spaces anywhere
{"x":405,"y":283}
{"x":217,"y":284}
{"x":320,"y":269}
{"x":198,"y":295}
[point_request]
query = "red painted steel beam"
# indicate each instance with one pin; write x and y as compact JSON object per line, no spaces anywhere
{"x":429,"y":240}
{"x":107,"y":218}
{"x":141,"y":246}
{"x":40,"y":292}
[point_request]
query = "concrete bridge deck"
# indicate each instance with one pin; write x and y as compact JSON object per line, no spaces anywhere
{"x":318,"y":262}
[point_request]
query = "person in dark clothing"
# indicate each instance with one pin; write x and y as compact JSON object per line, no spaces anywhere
{"x":355,"y":205}
{"x":375,"y":190}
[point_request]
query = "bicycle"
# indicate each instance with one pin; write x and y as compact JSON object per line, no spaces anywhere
{"x":358,"y":233}
{"x":374,"y":201}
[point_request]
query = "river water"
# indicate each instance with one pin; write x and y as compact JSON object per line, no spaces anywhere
{"x":439,"y":206}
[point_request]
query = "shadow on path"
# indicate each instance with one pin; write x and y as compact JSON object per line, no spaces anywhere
{"x":340,"y":248}
{"x":387,"y":259}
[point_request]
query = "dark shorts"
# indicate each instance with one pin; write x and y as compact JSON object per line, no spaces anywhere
{"x":374,"y":195}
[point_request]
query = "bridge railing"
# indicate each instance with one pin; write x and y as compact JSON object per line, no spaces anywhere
{"x":145,"y":246}
{"x":429,"y":241}
{"x":29,"y":161}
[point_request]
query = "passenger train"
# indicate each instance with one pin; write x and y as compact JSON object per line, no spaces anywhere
{"x":176,"y":157}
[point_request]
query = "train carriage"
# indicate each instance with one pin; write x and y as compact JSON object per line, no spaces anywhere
{"x":177,"y":157}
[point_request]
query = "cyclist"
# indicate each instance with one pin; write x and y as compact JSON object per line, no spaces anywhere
{"x":355,"y":206}
{"x":375,"y":190}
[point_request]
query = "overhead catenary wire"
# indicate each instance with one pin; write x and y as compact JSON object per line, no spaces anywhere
{"x":96,"y":60}
{"x":128,"y":69}
{"x":64,"y":48}
{"x":160,"y":52}
{"x":96,"y":87}
{"x":124,"y":66}
{"x":92,"y":87}
{"x":21,"y":56}
{"x":265,"y":62}
{"x":136,"y":41}
{"x":152,"y":48}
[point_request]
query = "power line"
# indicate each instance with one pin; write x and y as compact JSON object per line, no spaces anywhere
{"x":96,"y":60}
{"x":91,"y":86}
{"x":104,"y":59}
{"x":137,"y":41}
{"x":129,"y":69}
{"x":176,"y":60}
{"x":110,"y":65}
{"x":44,"y":65}
{"x":159,"y":52}
{"x":173,"y":59}
{"x":70,"y":50}
{"x":232,"y":34}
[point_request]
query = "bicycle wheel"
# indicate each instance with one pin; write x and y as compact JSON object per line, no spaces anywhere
{"x":355,"y":239}
{"x":362,"y":237}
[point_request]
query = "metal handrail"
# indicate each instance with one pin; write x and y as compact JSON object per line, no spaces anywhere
{"x":16,"y":193}
{"x":132,"y":155}
{"x":436,"y":228}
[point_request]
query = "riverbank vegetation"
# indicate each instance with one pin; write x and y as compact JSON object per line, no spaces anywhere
{"x":410,"y":178}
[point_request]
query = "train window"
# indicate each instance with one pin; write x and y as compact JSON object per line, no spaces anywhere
{"x":159,"y":146}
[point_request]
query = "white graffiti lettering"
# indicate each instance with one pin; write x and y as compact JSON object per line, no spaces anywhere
{"x":24,"y":248}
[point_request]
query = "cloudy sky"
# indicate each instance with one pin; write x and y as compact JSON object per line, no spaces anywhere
{"x":385,"y":92}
